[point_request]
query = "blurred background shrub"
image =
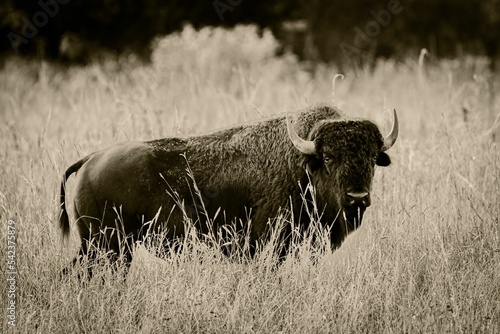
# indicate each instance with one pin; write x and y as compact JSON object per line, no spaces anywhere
{"x":347,"y":33}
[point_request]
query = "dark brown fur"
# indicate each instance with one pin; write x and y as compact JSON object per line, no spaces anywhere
{"x":250,"y":168}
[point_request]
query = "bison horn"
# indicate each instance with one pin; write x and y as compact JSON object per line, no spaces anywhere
{"x":304,"y":146}
{"x":391,"y":137}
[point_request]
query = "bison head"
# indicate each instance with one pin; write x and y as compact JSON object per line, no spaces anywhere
{"x":340,"y":156}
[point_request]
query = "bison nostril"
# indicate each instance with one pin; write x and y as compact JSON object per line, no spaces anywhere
{"x":358,"y":199}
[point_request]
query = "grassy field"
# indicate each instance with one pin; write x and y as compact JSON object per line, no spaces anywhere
{"x":426,"y":260}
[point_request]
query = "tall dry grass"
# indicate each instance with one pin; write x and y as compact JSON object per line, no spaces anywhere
{"x":426,"y":260}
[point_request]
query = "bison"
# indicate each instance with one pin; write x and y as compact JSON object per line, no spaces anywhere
{"x":250,"y":171}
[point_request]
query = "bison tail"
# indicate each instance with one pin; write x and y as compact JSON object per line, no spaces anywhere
{"x":63,"y":215}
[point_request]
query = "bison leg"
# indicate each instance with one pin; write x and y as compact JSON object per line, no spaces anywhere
{"x":89,"y":256}
{"x":102,"y":245}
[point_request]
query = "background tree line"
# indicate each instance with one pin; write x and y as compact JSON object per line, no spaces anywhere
{"x":327,"y":30}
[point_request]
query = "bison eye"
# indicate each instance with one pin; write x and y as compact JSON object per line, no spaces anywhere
{"x":327,"y":158}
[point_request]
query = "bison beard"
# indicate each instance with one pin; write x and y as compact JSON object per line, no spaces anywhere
{"x":257,"y":168}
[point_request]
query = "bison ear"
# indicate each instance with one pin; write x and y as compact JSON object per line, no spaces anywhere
{"x":383,"y":160}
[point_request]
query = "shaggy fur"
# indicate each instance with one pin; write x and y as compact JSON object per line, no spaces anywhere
{"x":249,"y":170}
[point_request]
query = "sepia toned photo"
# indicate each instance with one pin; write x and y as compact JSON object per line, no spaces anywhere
{"x":236,"y":166}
